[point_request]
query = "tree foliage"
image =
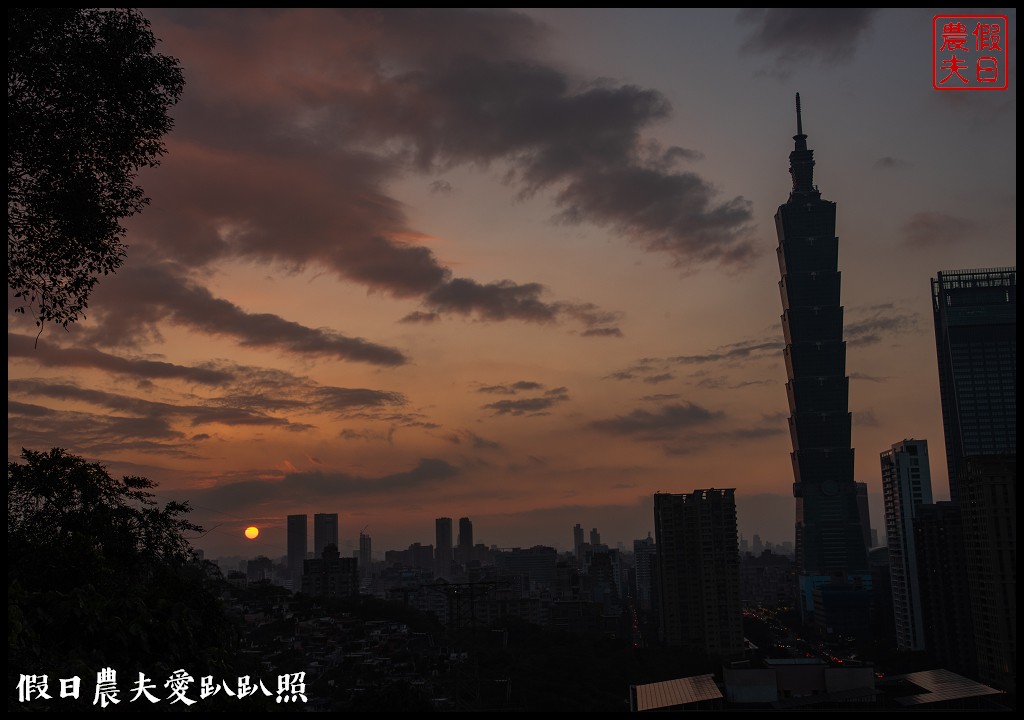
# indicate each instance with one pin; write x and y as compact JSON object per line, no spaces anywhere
{"x":100,"y":575}
{"x":87,"y":103}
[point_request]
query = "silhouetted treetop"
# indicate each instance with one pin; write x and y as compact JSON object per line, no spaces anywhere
{"x":87,"y":102}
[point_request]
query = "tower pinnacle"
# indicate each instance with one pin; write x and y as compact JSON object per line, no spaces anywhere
{"x":801,"y":160}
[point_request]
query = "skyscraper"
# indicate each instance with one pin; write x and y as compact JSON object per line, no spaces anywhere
{"x":698,"y":566}
{"x":975,"y":313}
{"x":644,"y":552}
{"x":443,"y":547}
{"x":942,"y":578}
{"x":297,"y":542}
{"x":325,"y":532}
{"x":906,"y":486}
{"x":829,"y":539}
{"x":577,"y":542}
{"x":365,"y":555}
{"x":988,"y":500}
{"x":465,"y":540}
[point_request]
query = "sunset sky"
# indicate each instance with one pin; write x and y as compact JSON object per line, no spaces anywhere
{"x":514,"y":265}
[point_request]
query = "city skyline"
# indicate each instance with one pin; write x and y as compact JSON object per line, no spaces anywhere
{"x":533,"y":289}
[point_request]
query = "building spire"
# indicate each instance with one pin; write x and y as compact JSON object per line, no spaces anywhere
{"x":801,"y":160}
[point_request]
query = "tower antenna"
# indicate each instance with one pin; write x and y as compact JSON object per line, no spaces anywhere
{"x":799,"y":121}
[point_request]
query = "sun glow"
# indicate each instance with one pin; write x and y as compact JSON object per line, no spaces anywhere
{"x":251,"y":532}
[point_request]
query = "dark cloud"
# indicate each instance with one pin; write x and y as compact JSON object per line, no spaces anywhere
{"x":869,"y":378}
{"x":318,"y":485}
{"x":660,"y":397}
{"x":655,"y":379}
{"x":140,"y":408}
{"x":293,"y":167}
{"x":928,"y":230}
{"x":802,"y":36}
{"x":501,"y":300}
{"x":889,"y":163}
{"x":660,"y":425}
{"x":653,"y":370}
{"x":881,"y":320}
{"x":602,"y":332}
{"x":512,"y":388}
{"x":142,"y":296}
{"x":529,"y":406}
{"x":49,"y":355}
{"x":865,"y":418}
{"x":473,"y":440}
{"x":421,"y":317}
{"x":440,"y":186}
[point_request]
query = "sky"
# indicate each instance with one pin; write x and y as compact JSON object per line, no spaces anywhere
{"x":514,"y":265}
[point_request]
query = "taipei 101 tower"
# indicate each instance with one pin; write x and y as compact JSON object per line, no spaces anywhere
{"x":830,"y":546}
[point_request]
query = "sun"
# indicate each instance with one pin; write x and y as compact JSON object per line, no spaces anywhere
{"x":251,"y":532}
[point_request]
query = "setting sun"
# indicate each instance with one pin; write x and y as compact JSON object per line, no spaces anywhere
{"x":251,"y":532}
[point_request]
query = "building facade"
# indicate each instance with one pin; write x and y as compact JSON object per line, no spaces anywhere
{"x":698,"y":571}
{"x":906,"y":486}
{"x":443,"y":547}
{"x":298,"y":539}
{"x":829,"y":536}
{"x":975,"y":313}
{"x":325,"y":532}
{"x":988,"y":501}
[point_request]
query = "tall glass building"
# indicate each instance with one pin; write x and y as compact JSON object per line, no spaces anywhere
{"x":829,"y":539}
{"x":975,"y":315}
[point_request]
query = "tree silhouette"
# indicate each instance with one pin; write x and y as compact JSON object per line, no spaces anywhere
{"x":99,"y":575}
{"x":87,"y":102}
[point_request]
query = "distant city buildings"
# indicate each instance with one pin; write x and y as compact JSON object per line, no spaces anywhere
{"x":698,"y":571}
{"x":906,"y":485}
{"x":830,"y":543}
{"x":365,"y":555}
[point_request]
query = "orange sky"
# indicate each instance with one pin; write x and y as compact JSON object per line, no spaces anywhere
{"x":513,"y":266}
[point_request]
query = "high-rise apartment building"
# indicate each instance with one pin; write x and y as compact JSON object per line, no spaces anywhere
{"x":988,"y":501}
{"x":942,"y":578}
{"x":829,"y":537}
{"x":297,"y":543}
{"x":365,"y":555}
{"x":698,"y":571}
{"x":443,"y":547}
{"x":465,"y":552}
{"x":906,"y":486}
{"x":577,"y":541}
{"x":644,"y":553}
{"x":975,"y":313}
{"x":325,"y":532}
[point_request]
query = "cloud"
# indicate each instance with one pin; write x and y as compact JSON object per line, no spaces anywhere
{"x":801,"y":36}
{"x":473,"y":440}
{"x":421,"y":317}
{"x":602,"y":332}
{"x":928,"y":230}
{"x":286,"y":156}
{"x":529,"y":406}
{"x":882,"y":320}
{"x":655,"y":379}
{"x":654,"y":370}
{"x":55,"y":356}
{"x":141,"y":296}
{"x":662,"y":424}
{"x":869,"y":378}
{"x":512,"y":388}
{"x":321,"y":485}
{"x":889,"y":163}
